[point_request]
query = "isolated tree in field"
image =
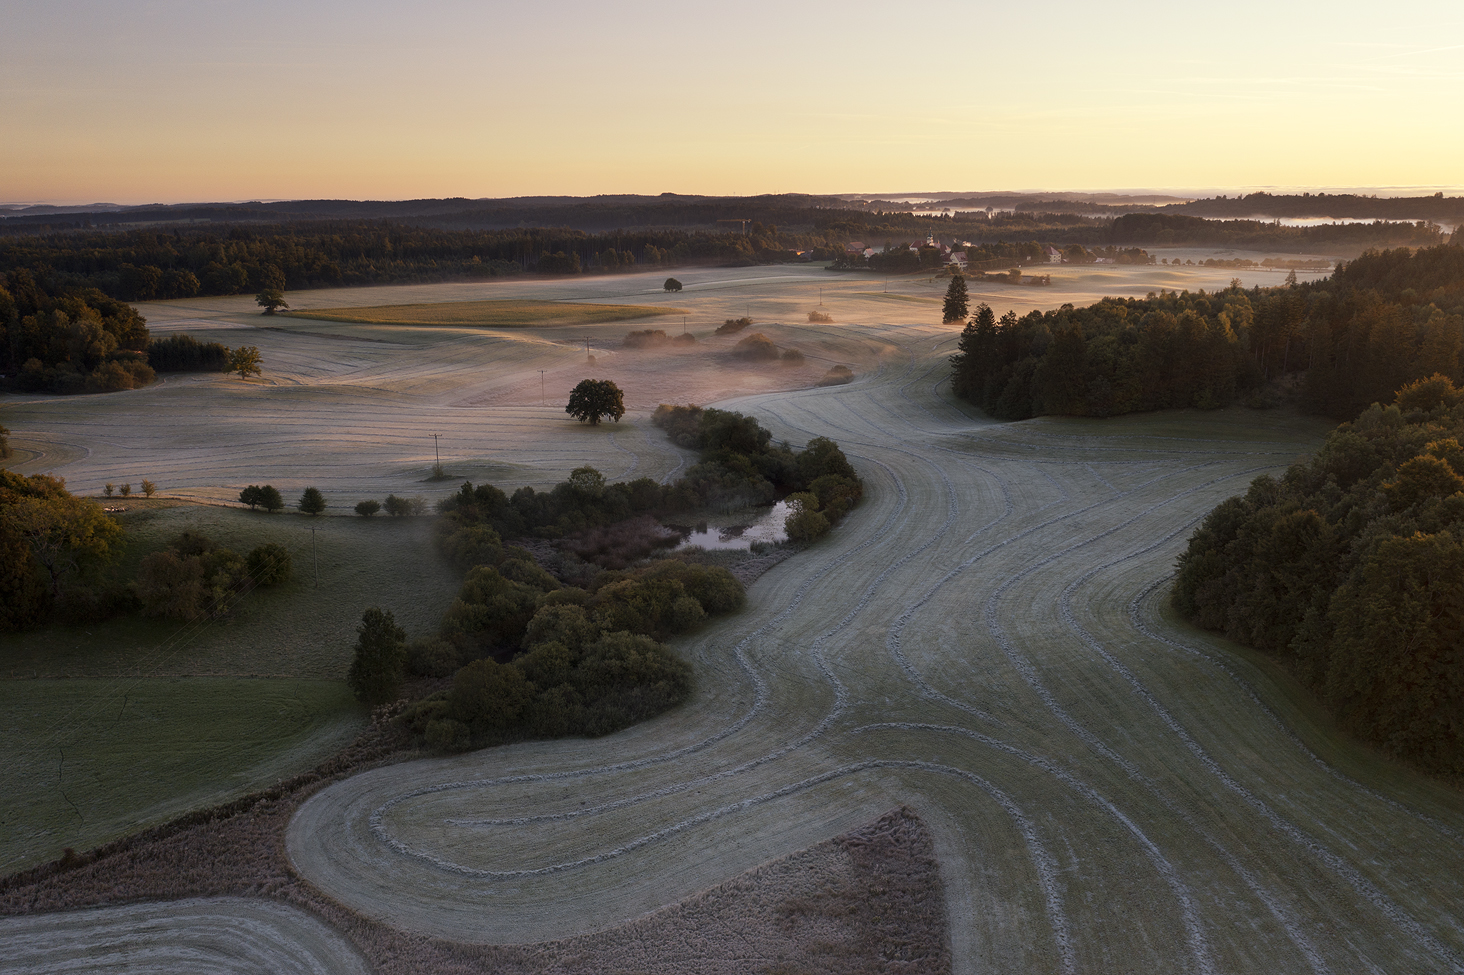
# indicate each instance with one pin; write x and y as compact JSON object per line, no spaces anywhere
{"x":149,"y":488}
{"x":381,"y":658}
{"x":367,"y":508}
{"x":244,"y":360}
{"x":955,"y":301}
{"x":594,"y":398}
{"x":312,"y":502}
{"x":672,"y":285}
{"x":271,"y":299}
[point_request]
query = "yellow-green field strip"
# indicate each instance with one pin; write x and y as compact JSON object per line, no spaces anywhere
{"x":488,"y":314}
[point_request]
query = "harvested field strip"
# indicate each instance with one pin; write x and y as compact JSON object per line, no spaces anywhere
{"x":969,"y":620}
{"x":489,"y":314}
{"x":984,"y":639}
{"x":850,"y":905}
{"x":205,"y":936}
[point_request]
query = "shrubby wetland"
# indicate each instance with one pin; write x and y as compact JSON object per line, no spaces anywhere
{"x":369,"y":629}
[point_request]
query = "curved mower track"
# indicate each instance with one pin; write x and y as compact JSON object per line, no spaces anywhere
{"x":985,"y":639}
{"x":202,"y":936}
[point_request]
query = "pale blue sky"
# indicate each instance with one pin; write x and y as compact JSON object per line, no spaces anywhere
{"x":171,"y":101}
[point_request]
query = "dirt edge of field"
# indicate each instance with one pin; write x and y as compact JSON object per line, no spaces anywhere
{"x":859,"y":902}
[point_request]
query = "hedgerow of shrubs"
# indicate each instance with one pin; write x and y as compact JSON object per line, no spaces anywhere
{"x":1351,"y":569}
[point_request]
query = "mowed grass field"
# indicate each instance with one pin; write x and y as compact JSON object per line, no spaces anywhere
{"x":501,"y":313}
{"x":89,"y":760}
{"x":984,"y":639}
{"x":137,"y":720}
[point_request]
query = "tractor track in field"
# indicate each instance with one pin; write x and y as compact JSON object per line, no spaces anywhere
{"x":983,"y":641}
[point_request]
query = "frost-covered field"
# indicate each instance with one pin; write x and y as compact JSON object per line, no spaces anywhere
{"x":985,"y":639}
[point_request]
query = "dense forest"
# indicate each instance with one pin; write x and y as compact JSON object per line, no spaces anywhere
{"x":1350,"y":568}
{"x":143,"y":265}
{"x":70,"y":340}
{"x":1380,"y":321}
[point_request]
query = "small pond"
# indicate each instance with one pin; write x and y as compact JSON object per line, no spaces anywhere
{"x":742,"y":529}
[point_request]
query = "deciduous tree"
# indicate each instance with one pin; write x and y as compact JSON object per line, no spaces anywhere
{"x":271,"y":299}
{"x":245,"y":360}
{"x":596,"y":398}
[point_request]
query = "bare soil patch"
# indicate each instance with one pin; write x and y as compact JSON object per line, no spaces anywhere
{"x":860,"y":902}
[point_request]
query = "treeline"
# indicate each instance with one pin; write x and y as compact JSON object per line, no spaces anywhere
{"x":1118,"y":356}
{"x":248,"y":258}
{"x":1177,"y":229}
{"x":1435,"y":208}
{"x":1380,"y":321}
{"x":70,"y":340}
{"x":1351,"y":569}
{"x":184,"y":353}
{"x":144,"y":265}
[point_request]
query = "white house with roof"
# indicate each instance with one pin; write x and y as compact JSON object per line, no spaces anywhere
{"x":1054,"y":256}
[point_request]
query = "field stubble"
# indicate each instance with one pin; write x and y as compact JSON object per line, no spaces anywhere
{"x":983,"y":639}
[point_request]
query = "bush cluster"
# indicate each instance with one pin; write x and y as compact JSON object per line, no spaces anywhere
{"x":195,"y":578}
{"x":184,"y":353}
{"x":532,"y":655}
{"x":579,"y":661}
{"x":733,"y":325}
{"x":1351,"y":568}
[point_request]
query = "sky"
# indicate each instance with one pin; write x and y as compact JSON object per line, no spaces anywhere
{"x":139,"y":101}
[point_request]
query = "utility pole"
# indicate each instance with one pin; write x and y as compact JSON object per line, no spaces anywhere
{"x":314,"y":558}
{"x":436,"y":457}
{"x":541,"y":387}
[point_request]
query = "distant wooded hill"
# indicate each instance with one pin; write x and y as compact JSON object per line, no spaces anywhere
{"x":1437,"y":207}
